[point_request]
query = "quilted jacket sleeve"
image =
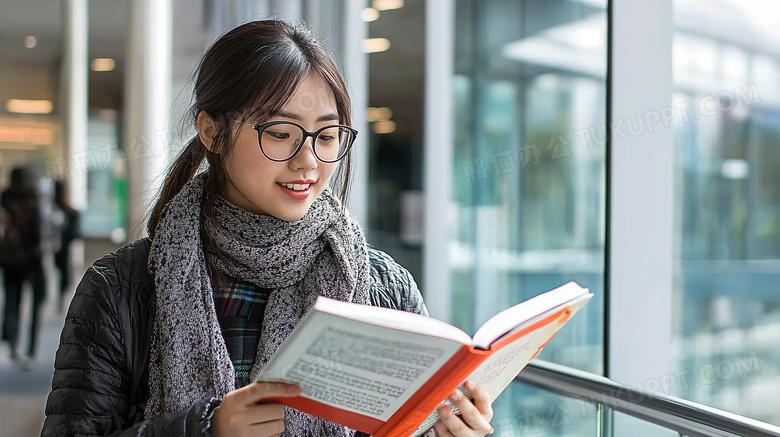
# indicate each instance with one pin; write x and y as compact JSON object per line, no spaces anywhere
{"x":89,"y":393}
{"x":393,"y":286}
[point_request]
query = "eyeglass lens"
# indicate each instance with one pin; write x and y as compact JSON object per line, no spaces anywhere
{"x":279,"y":141}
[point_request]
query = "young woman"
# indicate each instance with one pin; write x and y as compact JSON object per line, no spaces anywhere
{"x":164,"y":336}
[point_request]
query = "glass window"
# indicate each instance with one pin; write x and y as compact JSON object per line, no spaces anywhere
{"x":106,"y":179}
{"x":547,"y":414}
{"x":528,"y":184}
{"x":639,"y":426}
{"x":396,"y":84}
{"x":727,"y":320}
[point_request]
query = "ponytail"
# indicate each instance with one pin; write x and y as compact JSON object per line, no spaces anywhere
{"x":182,"y":170}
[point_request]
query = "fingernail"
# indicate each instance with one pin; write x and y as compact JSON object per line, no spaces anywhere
{"x":492,"y":430}
{"x":455,"y":395}
{"x":470,"y":385}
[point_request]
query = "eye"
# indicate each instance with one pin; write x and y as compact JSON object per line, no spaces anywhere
{"x":278,"y":135}
{"x":328,"y":135}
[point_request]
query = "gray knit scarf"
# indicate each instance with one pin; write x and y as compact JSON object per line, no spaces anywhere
{"x":324,"y":253}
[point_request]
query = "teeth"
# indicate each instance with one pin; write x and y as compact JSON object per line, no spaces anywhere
{"x":296,"y":187}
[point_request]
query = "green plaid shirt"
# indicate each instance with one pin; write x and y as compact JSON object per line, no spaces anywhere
{"x":240,"y":307}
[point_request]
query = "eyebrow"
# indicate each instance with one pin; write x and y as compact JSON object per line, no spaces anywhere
{"x":288,"y":114}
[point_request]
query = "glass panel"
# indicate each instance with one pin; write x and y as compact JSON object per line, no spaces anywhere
{"x":528,"y":184}
{"x":396,"y":93}
{"x":727,"y":320}
{"x":106,"y":171}
{"x":623,"y":424}
{"x":533,"y":411}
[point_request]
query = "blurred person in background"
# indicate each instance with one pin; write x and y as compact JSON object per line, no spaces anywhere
{"x":65,"y":225}
{"x":166,"y":335}
{"x":21,"y":259}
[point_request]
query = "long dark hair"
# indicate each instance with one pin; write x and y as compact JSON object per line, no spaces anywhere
{"x":249,"y":72}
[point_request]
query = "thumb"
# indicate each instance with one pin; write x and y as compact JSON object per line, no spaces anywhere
{"x":260,"y":390}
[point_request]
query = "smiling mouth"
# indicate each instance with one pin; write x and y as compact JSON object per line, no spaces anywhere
{"x":296,"y":187}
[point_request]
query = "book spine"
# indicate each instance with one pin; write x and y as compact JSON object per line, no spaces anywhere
{"x":406,"y":420}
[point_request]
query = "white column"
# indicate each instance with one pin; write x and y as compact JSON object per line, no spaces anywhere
{"x":356,"y":77}
{"x":74,"y":68}
{"x":437,"y":171}
{"x":75,"y":107}
{"x":148,"y":135}
{"x":641,"y":196}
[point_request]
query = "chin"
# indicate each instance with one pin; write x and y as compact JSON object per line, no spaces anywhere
{"x":292,"y":216}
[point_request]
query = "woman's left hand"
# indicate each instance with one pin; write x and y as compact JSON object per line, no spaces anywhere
{"x":474,"y":418}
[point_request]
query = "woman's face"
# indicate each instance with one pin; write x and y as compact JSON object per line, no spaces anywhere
{"x":255,"y":183}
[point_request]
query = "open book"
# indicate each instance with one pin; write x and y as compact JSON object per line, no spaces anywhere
{"x":384,"y":371}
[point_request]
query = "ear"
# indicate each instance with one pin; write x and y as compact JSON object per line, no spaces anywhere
{"x":207,"y":127}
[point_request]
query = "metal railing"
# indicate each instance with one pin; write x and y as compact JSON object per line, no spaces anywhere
{"x":685,"y":417}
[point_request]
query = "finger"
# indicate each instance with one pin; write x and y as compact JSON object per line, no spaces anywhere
{"x":267,"y":428}
{"x":441,"y":429}
{"x":252,"y":415}
{"x":470,"y":415}
{"x":260,"y":390}
{"x":453,"y":423}
{"x":481,"y":399}
{"x":265,"y":413}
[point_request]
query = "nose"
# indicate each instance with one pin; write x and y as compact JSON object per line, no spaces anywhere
{"x":305,"y":158}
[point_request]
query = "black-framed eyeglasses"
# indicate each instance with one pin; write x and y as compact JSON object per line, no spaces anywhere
{"x":281,"y":140}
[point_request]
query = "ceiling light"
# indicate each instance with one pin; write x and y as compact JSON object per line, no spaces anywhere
{"x":369,"y":14}
{"x":103,"y":64}
{"x":386,"y":5}
{"x":21,"y":106}
{"x":26,"y":147}
{"x":25,"y":137}
{"x":30,"y":41}
{"x":375,"y":45}
{"x":383,"y":127}
{"x":380,"y":114}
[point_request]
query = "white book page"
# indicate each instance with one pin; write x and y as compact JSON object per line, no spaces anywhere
{"x":356,"y":366}
{"x":396,"y":319}
{"x":501,"y":368}
{"x":495,"y":373}
{"x":509,"y":319}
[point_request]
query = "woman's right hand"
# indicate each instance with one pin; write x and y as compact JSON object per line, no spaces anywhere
{"x":242,"y":412}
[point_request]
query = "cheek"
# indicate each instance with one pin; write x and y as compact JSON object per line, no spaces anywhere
{"x":328,"y":170}
{"x":247,"y":167}
{"x":247,"y":154}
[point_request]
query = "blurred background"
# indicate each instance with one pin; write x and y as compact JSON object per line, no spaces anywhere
{"x":506,"y":147}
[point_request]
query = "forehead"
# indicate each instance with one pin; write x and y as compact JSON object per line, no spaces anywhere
{"x":312,"y":97}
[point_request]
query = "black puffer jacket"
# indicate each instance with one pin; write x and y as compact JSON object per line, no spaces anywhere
{"x":101,"y":368}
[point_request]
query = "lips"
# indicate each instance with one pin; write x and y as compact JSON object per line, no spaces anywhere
{"x":297,"y":191}
{"x":296,"y":187}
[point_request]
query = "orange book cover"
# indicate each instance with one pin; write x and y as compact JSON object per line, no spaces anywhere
{"x":384,"y":372}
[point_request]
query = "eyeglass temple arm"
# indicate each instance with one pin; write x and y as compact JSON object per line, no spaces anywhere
{"x":245,"y":124}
